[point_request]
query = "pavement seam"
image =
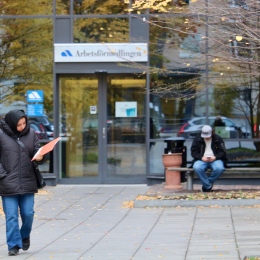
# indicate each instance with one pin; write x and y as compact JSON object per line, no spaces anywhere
{"x":191,"y":233}
{"x":146,"y":236}
{"x":234,"y":230}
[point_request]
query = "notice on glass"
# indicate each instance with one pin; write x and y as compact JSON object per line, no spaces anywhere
{"x":126,"y":109}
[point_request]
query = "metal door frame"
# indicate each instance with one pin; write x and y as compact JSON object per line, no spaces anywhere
{"x":102,"y":177}
{"x":99,"y":179}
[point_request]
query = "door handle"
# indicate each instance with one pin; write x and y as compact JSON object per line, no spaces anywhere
{"x":104,"y":132}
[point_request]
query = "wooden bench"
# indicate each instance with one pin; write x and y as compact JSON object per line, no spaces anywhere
{"x":190,"y":172}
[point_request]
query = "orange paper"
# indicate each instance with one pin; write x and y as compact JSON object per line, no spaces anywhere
{"x":47,"y":147}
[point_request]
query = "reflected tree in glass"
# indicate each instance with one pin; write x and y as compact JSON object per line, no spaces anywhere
{"x":31,"y":7}
{"x":101,"y":30}
{"x":26,"y":58}
{"x":99,"y":7}
{"x":227,"y":53}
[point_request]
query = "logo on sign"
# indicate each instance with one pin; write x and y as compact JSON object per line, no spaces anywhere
{"x":34,"y":96}
{"x":66,"y":53}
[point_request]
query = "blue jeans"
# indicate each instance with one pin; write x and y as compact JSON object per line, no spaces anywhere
{"x":200,"y":168}
{"x":25,"y":203}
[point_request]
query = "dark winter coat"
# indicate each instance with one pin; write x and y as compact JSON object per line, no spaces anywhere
{"x":217,"y":145}
{"x":16,"y":169}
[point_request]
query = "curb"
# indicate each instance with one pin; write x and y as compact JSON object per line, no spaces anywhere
{"x":195,"y":203}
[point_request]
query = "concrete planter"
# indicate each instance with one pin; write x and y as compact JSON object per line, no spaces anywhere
{"x":172,"y":178}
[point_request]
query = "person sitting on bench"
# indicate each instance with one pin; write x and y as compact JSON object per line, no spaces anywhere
{"x":209,"y":152}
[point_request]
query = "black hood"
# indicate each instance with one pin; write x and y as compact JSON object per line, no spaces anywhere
{"x":12,"y":118}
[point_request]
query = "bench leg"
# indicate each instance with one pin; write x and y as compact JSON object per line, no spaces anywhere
{"x":189,"y":180}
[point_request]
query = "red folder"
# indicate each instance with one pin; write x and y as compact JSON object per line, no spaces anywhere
{"x":47,"y":147}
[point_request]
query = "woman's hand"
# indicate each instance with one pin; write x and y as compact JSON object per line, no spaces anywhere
{"x":38,"y":157}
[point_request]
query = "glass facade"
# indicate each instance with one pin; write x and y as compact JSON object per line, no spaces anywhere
{"x":26,"y":61}
{"x":62,"y":7}
{"x":193,"y":80}
{"x":19,"y":7}
{"x":199,"y":81}
{"x":91,"y":30}
{"x":99,"y":7}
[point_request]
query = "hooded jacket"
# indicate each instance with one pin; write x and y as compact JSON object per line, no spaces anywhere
{"x":16,"y":169}
{"x":217,"y":145}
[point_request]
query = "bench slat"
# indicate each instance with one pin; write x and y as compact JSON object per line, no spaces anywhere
{"x":190,"y":172}
{"x":249,"y":169}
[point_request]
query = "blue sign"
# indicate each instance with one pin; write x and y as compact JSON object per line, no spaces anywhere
{"x":34,"y":95}
{"x":35,"y":110}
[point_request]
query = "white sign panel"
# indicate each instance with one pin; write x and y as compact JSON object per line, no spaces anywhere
{"x":126,"y":109}
{"x":93,"y":110}
{"x":101,"y":52}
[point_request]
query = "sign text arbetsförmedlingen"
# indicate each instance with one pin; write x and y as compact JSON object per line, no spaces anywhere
{"x":120,"y":53}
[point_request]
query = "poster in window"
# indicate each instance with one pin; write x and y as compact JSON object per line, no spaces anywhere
{"x":126,"y":109}
{"x":93,"y":110}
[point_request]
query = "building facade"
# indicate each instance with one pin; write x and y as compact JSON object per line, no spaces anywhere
{"x":117,"y":84}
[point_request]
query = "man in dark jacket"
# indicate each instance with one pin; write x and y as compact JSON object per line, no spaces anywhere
{"x":209,"y":152}
{"x":17,"y":178}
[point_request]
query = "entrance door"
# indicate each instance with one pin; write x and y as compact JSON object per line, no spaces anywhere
{"x":102,"y":121}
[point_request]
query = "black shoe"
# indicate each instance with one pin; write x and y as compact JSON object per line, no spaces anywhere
{"x":26,"y":243}
{"x":14,"y":251}
{"x":206,"y":190}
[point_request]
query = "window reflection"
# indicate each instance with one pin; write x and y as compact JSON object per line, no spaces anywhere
{"x":62,"y":7}
{"x":27,"y":60}
{"x":223,"y":126}
{"x":101,"y":30}
{"x":99,"y":7}
{"x":156,"y":8}
{"x":21,"y":7}
{"x":185,"y":118}
{"x":79,"y":150}
{"x":126,"y":126}
{"x":194,"y":90}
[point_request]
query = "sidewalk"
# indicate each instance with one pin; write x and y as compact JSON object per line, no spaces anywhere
{"x":97,"y":222}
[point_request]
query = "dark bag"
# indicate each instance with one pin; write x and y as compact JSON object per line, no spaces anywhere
{"x":40,"y":181}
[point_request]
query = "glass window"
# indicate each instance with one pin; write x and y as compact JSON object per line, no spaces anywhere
{"x":79,"y":148}
{"x":27,"y":56}
{"x":99,"y":7}
{"x":169,"y":113}
{"x":62,"y":7}
{"x":101,"y":30}
{"x":177,"y":44}
{"x":156,"y":7}
{"x":126,"y":137}
{"x":18,"y":7}
{"x":237,"y":3}
{"x":210,"y":80}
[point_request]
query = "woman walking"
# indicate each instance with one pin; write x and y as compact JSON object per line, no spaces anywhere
{"x":17,"y":178}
